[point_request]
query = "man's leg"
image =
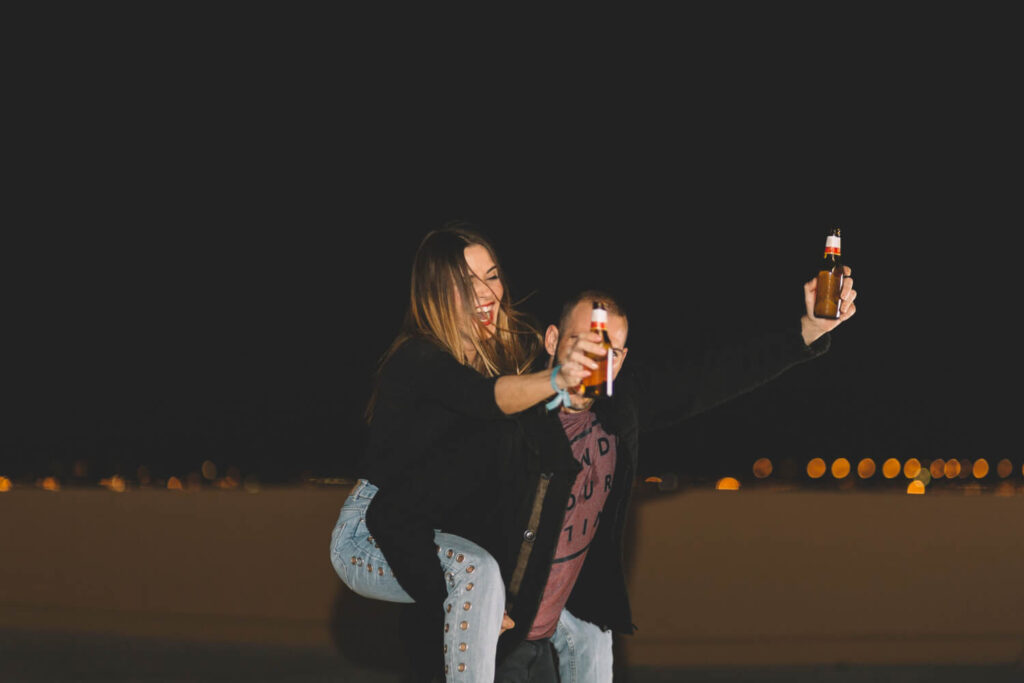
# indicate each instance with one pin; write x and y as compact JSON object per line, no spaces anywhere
{"x":531,"y":662}
{"x":584,"y":651}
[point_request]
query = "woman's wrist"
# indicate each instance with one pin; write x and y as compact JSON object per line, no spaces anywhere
{"x":556,"y":373}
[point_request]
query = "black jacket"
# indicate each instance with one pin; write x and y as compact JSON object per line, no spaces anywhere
{"x":646,"y":397}
{"x":429,"y":446}
{"x":445,"y":457}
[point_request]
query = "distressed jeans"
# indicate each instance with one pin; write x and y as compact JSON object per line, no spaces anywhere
{"x":582,"y":650}
{"x":476,"y":592}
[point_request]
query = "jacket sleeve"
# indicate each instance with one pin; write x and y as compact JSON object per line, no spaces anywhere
{"x":434,"y":375}
{"x":680,"y":387}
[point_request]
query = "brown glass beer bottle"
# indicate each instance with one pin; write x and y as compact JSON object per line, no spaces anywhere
{"x":830,"y":279}
{"x":599,"y":382}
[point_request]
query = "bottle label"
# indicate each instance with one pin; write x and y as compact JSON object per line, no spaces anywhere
{"x":832,"y":245}
{"x":598,"y":319}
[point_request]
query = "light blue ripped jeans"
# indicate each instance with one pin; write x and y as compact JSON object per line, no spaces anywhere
{"x":476,"y":592}
{"x":584,"y":651}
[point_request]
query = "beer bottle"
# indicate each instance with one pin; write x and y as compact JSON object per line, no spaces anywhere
{"x":599,"y":382}
{"x":830,"y":279}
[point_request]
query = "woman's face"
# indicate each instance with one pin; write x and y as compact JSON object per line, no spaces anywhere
{"x":486,"y":285}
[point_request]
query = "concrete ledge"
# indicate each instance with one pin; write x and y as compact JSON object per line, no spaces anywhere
{"x":737,"y":579}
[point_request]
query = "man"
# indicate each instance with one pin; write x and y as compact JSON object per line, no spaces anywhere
{"x":562,"y":536}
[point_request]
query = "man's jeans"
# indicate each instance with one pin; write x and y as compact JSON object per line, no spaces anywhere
{"x":582,"y":650}
{"x":476,"y":592}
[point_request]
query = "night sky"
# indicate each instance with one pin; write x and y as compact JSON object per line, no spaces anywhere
{"x":208,"y":254}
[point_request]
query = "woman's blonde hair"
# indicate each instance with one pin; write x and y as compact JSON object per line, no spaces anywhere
{"x":436,"y":312}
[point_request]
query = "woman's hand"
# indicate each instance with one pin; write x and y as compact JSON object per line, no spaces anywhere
{"x":576,"y":364}
{"x":506,"y":623}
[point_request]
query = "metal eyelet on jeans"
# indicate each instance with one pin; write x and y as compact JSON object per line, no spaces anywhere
{"x":466,"y":605}
{"x":462,"y":667}
{"x":470,"y":569}
{"x":450,"y":552}
{"x":462,"y":647}
{"x":464,"y":625}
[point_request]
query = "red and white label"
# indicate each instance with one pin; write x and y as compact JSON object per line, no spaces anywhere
{"x":832,"y":245}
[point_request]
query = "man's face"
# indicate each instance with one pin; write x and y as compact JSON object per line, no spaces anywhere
{"x":558,"y":342}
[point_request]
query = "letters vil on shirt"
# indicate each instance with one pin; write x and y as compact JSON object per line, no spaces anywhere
{"x":594,"y":449}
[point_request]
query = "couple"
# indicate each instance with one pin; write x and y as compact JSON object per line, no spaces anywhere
{"x":492,"y":498}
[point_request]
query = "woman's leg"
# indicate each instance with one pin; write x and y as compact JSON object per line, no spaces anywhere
{"x":473,"y":610}
{"x":356,"y":558}
{"x":476,"y":592}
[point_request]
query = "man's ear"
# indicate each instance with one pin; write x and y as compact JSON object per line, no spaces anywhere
{"x":551,"y":340}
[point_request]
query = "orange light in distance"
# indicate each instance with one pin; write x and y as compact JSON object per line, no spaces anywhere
{"x":762,"y":468}
{"x":980,"y":469}
{"x":840,"y":468}
{"x":891,"y":468}
{"x":114,"y":483}
{"x":816,"y":468}
{"x":727,"y":484}
{"x":866,"y":468}
{"x":911,"y":467}
{"x":952,"y":468}
{"x":1004,"y":468}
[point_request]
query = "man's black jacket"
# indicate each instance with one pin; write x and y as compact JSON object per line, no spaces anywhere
{"x":646,"y":397}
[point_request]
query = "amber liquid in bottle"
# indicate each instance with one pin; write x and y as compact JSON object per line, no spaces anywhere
{"x":830,"y":279}
{"x":598,"y":383}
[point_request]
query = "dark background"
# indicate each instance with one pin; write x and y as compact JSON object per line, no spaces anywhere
{"x":211,"y":230}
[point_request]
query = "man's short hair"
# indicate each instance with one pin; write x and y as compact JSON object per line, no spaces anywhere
{"x":611,"y":303}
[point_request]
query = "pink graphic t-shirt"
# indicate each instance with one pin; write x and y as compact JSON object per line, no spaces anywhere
{"x":594,"y":449}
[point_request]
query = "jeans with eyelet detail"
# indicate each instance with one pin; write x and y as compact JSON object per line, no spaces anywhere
{"x":476,"y":592}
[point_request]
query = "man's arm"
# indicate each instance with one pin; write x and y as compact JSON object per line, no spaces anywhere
{"x":678,"y":388}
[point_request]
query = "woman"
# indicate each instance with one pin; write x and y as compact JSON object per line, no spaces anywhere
{"x":457,"y":368}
